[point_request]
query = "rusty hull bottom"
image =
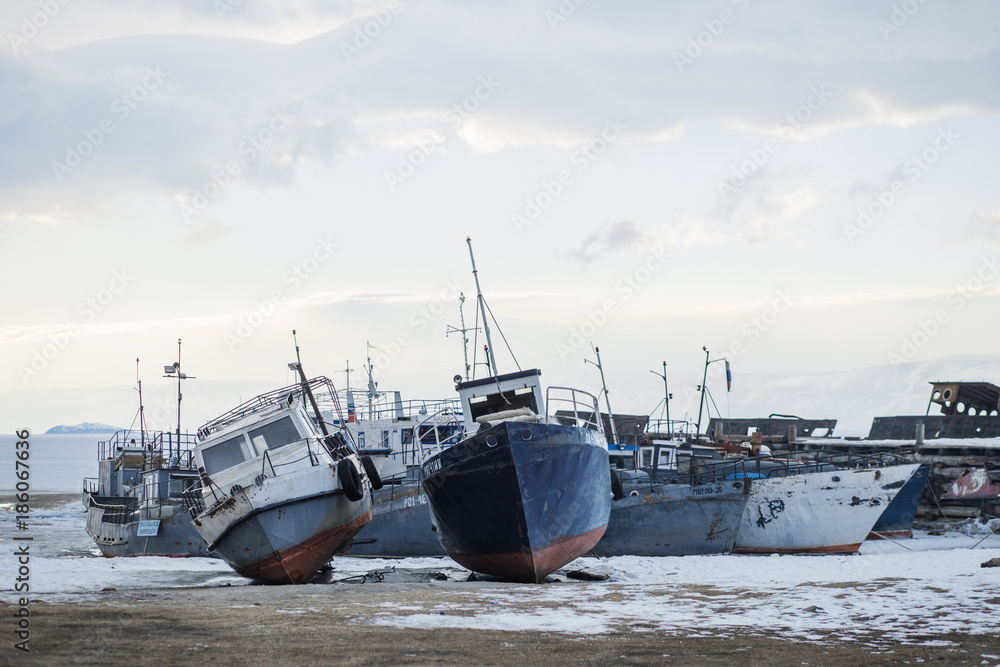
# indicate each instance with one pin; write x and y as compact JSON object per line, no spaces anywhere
{"x":836,"y":549}
{"x":298,"y":564}
{"x":532,"y":567}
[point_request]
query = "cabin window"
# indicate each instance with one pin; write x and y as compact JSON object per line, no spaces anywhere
{"x":223,"y":456}
{"x":407,"y":436}
{"x":274,"y":435}
{"x":385,"y":440}
{"x":361,"y":440}
{"x":647,"y":458}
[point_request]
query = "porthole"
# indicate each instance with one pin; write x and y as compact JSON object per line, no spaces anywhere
{"x":526,"y":434}
{"x":491,"y":441}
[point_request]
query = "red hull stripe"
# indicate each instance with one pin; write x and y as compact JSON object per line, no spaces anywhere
{"x":535,"y":566}
{"x":838,"y":549}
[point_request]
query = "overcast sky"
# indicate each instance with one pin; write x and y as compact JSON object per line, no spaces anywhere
{"x":802,"y":187}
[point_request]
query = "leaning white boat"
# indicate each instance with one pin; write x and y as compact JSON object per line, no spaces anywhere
{"x":279,"y":495}
{"x":818,"y":511}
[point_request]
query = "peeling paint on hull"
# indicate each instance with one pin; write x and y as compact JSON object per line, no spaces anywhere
{"x":520,"y":500}
{"x":675,"y":520}
{"x":819,"y":512}
{"x":400,"y":527}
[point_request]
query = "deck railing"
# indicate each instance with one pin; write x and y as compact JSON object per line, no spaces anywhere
{"x":583,"y":406}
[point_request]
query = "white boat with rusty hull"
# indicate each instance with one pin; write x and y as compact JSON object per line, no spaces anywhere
{"x":280,"y":494}
{"x":814,"y":507}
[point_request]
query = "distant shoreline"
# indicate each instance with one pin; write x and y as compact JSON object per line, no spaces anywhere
{"x":42,"y":499}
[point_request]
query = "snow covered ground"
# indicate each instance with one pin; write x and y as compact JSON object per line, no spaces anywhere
{"x":911,"y":590}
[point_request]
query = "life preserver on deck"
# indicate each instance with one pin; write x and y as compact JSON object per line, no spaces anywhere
{"x":616,"y":487}
{"x":350,"y":480}
{"x":373,"y":477}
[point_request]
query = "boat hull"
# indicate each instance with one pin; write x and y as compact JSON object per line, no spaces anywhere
{"x":520,"y":499}
{"x":284,"y":529}
{"x":115,"y":537}
{"x":817,"y":512}
{"x":400,"y":527}
{"x":897,"y":519}
{"x":675,"y":520}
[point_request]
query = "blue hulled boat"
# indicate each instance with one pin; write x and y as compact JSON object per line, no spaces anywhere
{"x":522,"y":494}
{"x":897,"y":519}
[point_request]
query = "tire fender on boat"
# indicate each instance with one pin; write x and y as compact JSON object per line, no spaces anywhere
{"x":350,"y":480}
{"x":616,"y":487}
{"x":372,"y":471}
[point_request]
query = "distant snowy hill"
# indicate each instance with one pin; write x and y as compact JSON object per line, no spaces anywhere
{"x":84,"y":428}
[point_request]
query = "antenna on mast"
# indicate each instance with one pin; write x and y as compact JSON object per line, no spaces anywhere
{"x":171,"y":372}
{"x":482,"y":307}
{"x":142,"y":416}
{"x":372,"y":385}
{"x":463,"y":331}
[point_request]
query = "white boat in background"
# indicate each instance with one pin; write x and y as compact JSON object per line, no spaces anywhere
{"x":809,"y":508}
{"x":279,"y":494}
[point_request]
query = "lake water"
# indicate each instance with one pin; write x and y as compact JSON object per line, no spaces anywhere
{"x":58,"y":463}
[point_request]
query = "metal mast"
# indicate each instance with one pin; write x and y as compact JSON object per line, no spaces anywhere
{"x":666,"y":399}
{"x":463,"y":331}
{"x":175,"y":371}
{"x":482,"y":308}
{"x":701,"y":404}
{"x":611,"y":415}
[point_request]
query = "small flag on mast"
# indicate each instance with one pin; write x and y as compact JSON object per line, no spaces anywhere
{"x":729,"y":377}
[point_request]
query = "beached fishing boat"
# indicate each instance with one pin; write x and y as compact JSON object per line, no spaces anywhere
{"x":135,"y":506}
{"x":814,"y":507}
{"x":674,"y":519}
{"x":521,"y":494}
{"x":280,"y":494}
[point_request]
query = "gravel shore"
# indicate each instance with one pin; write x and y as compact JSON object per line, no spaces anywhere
{"x":341,"y":624}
